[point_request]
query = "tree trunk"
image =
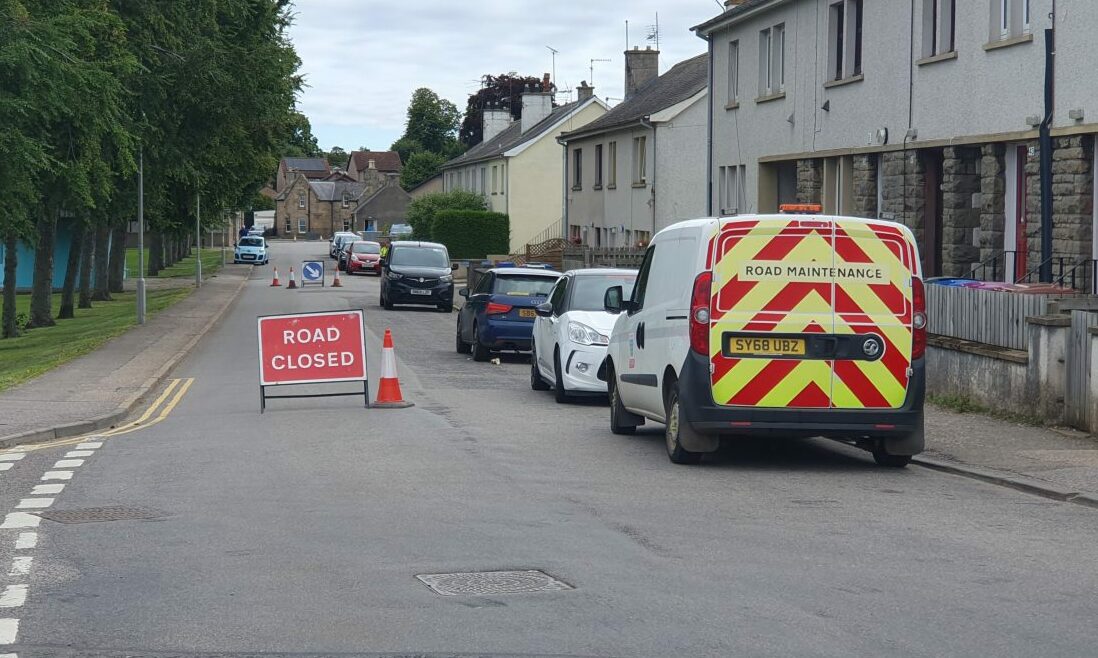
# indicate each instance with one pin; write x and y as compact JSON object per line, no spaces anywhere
{"x":41,"y":314}
{"x":117,"y":271}
{"x":10,"y":329}
{"x":100,"y":293}
{"x":87,"y":254}
{"x":156,"y":253}
{"x":72,"y":268}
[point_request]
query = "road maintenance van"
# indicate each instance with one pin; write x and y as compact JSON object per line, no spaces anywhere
{"x":789,"y":325}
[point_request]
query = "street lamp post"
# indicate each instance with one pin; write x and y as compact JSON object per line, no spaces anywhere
{"x":141,"y":236}
{"x":198,"y":240}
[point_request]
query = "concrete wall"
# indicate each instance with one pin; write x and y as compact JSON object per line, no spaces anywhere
{"x":614,"y":206}
{"x":680,"y":166}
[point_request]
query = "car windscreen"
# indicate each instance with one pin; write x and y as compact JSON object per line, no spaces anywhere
{"x":366,"y":248}
{"x":419,"y":257}
{"x":251,"y":242}
{"x":590,"y":290}
{"x":523,"y":285}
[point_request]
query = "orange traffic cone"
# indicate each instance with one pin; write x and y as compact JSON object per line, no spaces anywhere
{"x":388,"y":388}
{"x":292,"y":284}
{"x":336,"y":283}
{"x":275,"y":283}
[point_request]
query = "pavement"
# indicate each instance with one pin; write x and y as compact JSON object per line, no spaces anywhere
{"x":99,"y":389}
{"x":302,"y":531}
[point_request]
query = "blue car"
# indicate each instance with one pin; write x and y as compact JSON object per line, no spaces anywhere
{"x":499,"y":312}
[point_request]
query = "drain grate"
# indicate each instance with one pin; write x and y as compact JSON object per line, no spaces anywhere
{"x":492,"y":582}
{"x":101,"y":514}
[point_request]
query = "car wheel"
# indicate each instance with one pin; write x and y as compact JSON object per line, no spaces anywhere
{"x":885,"y":458}
{"x":618,"y":414}
{"x":559,"y":393}
{"x":675,"y":426}
{"x":385,"y":303}
{"x":462,"y":346}
{"x":536,"y":382}
{"x":480,"y":351}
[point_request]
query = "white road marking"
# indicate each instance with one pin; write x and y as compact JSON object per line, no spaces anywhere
{"x":57,"y":475}
{"x":11,"y":456}
{"x":9,"y":655}
{"x":68,"y":463}
{"x":43,"y":489}
{"x":9,"y":629}
{"x":26,"y":540}
{"x":89,"y":445}
{"x":4,"y":466}
{"x":80,"y":453}
{"x":34,"y":503}
{"x":13,"y":596}
{"x":20,"y":520}
{"x":20,"y":566}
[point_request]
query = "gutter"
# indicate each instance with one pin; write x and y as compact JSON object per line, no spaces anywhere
{"x":646,"y":122}
{"x":582,"y":134}
{"x":708,"y":128}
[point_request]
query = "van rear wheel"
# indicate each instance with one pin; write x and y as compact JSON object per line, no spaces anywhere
{"x":618,"y":414}
{"x":885,"y":458}
{"x":674,"y":429}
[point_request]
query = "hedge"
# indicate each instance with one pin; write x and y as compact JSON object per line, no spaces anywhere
{"x":472,"y":234}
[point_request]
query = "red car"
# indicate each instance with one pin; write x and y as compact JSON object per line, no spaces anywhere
{"x":362,"y":256}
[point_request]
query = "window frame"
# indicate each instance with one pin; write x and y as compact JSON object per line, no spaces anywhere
{"x":772,"y":60}
{"x":577,"y":169}
{"x":598,"y":166}
{"x":612,"y":178}
{"x":300,"y":199}
{"x":733,"y":95}
{"x":640,"y":161}
{"x":302,"y":225}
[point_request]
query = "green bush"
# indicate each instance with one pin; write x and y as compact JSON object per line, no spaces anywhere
{"x":472,"y":234}
{"x":422,"y":211}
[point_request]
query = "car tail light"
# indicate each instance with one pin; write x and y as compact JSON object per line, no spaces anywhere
{"x":699,"y":313}
{"x":497,"y":309}
{"x":918,"y":318}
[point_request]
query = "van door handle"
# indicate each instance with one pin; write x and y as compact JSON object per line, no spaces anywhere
{"x":640,"y":335}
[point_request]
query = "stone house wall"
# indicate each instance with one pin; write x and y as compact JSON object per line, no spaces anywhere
{"x":865,"y":185}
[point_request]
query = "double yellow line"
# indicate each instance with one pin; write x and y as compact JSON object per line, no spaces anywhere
{"x":176,"y":389}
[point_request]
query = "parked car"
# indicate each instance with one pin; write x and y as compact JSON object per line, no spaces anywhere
{"x":400,"y":230}
{"x":251,"y":249}
{"x":361,"y":256}
{"x":773,"y":325}
{"x":572,"y":331}
{"x":336,"y":243}
{"x":417,"y":273}
{"x":499,"y":312}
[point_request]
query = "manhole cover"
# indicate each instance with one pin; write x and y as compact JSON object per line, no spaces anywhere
{"x":492,"y":582}
{"x":101,"y":514}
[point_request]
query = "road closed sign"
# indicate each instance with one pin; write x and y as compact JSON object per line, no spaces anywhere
{"x":311,"y":348}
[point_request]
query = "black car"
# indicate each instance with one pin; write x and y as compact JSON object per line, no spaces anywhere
{"x":417,"y":273}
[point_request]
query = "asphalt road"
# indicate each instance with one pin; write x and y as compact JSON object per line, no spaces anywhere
{"x":301,"y":531}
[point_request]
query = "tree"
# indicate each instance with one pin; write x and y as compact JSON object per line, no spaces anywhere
{"x":432,"y":121}
{"x":502,"y":91}
{"x":337,"y":157}
{"x":420,"y":167}
{"x":422,"y":211}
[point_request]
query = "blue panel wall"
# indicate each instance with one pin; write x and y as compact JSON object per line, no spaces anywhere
{"x":24,"y":271}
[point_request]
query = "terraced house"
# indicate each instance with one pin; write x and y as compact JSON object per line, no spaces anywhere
{"x":926,"y":112}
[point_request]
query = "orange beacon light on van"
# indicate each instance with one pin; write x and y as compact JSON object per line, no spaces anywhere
{"x":801,"y":208}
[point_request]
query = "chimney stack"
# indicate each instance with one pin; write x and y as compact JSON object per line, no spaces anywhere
{"x":641,"y":66}
{"x":584,"y":91}
{"x":536,"y":105}
{"x":494,"y":120}
{"x":371,"y":164}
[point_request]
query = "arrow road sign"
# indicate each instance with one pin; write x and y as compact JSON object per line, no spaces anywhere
{"x":312,"y":272}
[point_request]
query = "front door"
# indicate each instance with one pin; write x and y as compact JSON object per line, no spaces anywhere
{"x":932,"y":212}
{"x":1021,"y":240}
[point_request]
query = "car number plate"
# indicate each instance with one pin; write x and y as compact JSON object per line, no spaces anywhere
{"x":527,"y":313}
{"x":761,"y":346}
{"x":417,"y":291}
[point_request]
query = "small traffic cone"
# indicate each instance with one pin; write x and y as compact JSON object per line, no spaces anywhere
{"x":336,"y":283}
{"x":388,"y":388}
{"x":275,"y":283}
{"x":292,"y":284}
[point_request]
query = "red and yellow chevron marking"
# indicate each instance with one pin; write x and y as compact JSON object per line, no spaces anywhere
{"x":811,"y":306}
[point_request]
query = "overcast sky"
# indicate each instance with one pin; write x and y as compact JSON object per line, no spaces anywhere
{"x":362,"y":59}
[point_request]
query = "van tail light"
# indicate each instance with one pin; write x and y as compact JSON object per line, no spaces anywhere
{"x":699,"y":313}
{"x":918,"y":319}
{"x":497,"y":309}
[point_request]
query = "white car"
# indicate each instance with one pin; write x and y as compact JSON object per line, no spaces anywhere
{"x":251,"y":249}
{"x":572,"y":331}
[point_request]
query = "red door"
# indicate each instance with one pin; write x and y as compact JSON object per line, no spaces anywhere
{"x":1021,"y":242}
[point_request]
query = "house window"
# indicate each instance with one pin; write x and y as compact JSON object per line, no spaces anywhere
{"x":772,"y":60}
{"x":939,"y":27}
{"x":345,"y":204}
{"x":289,"y":225}
{"x":731,"y":192}
{"x":612,"y":179}
{"x":300,"y":199}
{"x":346,"y":226}
{"x":598,"y":166}
{"x":1010,"y":18}
{"x":495,"y":179}
{"x":302,"y":225}
{"x":845,"y":39}
{"x":577,"y":169}
{"x":640,"y":161}
{"x":733,"y":72}
{"x":484,"y":180}
{"x":503,"y":178}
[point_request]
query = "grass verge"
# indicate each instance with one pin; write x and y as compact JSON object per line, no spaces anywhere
{"x":40,"y":350}
{"x":965,"y":405}
{"x":211,"y":263}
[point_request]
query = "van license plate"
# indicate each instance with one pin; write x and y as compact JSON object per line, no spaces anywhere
{"x":756,"y":346}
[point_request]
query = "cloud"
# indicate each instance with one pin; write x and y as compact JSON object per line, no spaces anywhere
{"x":362,"y":59}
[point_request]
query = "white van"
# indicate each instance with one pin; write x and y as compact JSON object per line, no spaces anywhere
{"x":790,"y":325}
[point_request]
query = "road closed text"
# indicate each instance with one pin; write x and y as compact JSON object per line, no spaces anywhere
{"x":311,"y":348}
{"x":318,"y":360}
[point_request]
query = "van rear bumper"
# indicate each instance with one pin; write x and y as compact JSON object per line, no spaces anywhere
{"x":707,"y":417}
